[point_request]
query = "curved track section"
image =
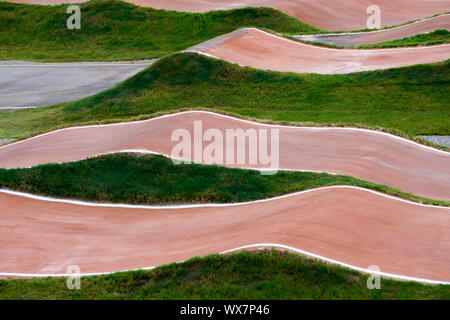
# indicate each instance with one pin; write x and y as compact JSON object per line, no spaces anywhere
{"x":360,"y":38}
{"x":25,"y":85}
{"x":370,"y":155}
{"x":259,"y":49}
{"x":348,"y":225}
{"x":324,"y":14}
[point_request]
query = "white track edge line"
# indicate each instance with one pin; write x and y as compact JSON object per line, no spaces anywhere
{"x":256,"y":245}
{"x":232,"y":118}
{"x":210,"y":205}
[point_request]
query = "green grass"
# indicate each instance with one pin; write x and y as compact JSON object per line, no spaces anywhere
{"x":423,"y":39}
{"x":148,"y":179}
{"x":410,"y":101}
{"x":115,"y":30}
{"x":268,"y":274}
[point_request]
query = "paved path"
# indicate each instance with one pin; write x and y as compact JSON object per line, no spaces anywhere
{"x":369,"y":155}
{"x":24,"y":85}
{"x":325,"y":14}
{"x":360,"y":38}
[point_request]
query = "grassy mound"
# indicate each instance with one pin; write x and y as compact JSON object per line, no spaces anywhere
{"x":116,"y":30}
{"x":148,"y":179}
{"x":411,"y":100}
{"x":245,"y":275}
{"x":423,"y":39}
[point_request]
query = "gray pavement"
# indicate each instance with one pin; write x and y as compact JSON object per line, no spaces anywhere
{"x":3,"y":141}
{"x":335,"y":39}
{"x":25,"y":84}
{"x":439,"y":140}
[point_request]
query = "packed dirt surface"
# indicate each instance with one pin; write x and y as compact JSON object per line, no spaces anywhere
{"x":368,"y":155}
{"x":360,"y":38}
{"x":324,"y":14}
{"x":349,"y":225}
{"x":258,"y":49}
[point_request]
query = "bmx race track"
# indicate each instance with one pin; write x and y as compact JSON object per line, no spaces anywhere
{"x":343,"y":15}
{"x":350,"y":226}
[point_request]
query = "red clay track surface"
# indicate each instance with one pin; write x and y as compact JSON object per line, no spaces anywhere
{"x":324,"y":14}
{"x":352,"y":226}
{"x":262,"y":50}
{"x":368,"y":155}
{"x":359,"y":38}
